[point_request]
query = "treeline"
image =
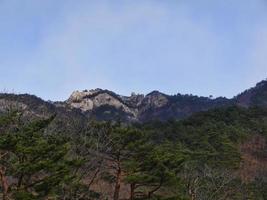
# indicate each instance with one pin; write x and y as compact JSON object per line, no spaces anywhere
{"x":194,"y":159}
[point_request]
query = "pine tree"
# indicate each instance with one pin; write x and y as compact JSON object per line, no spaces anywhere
{"x":33,"y":164}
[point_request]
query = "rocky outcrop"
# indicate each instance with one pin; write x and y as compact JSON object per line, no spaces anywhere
{"x":87,"y":101}
{"x":104,"y":104}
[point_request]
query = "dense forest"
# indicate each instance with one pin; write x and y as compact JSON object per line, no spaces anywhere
{"x":213,"y":155}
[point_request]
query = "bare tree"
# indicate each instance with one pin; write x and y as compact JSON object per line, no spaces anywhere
{"x":206,"y":183}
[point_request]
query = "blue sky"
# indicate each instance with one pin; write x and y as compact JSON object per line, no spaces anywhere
{"x":204,"y":47}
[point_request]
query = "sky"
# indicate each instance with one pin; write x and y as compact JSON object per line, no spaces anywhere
{"x":203,"y":47}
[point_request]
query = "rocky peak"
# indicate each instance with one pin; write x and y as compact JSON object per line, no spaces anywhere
{"x":155,"y":93}
{"x":78,"y":96}
{"x":89,"y":100}
{"x":134,"y":100}
{"x":262,"y":84}
{"x":155,"y":99}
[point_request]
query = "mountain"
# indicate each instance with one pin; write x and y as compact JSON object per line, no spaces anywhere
{"x":102,"y":104}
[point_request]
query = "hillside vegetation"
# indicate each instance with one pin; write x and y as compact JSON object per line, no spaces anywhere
{"x":206,"y":156}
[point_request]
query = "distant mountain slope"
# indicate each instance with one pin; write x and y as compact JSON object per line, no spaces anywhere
{"x":29,"y":103}
{"x":67,"y":120}
{"x":256,"y":96}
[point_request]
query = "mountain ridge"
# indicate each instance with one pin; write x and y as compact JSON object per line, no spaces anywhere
{"x":103,"y":104}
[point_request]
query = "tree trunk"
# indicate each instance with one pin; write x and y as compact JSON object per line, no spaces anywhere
{"x":192,"y":195}
{"x":4,"y":183}
{"x":132,"y":191}
{"x":192,"y":188}
{"x":118,"y":183}
{"x":154,"y":190}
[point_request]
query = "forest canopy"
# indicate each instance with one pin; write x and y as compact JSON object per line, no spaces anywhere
{"x":197,"y":158}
